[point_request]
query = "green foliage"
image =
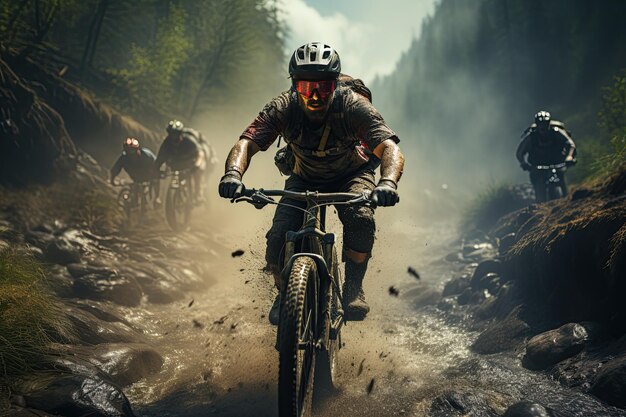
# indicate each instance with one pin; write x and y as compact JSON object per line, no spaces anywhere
{"x":155,"y":59}
{"x":469,"y":86}
{"x":613,"y":113}
{"x":493,"y":202}
{"x":151,"y":69}
{"x":30,"y":318}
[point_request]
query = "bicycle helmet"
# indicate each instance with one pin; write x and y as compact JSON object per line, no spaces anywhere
{"x":174,"y":126}
{"x":130,"y":143}
{"x":315,"y":61}
{"x":542,"y":118}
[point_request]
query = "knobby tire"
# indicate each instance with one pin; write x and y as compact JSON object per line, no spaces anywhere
{"x":297,"y":359}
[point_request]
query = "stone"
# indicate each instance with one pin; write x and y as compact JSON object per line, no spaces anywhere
{"x":122,"y":290}
{"x":456,"y":286}
{"x":490,"y":282}
{"x":483,"y":268}
{"x":526,"y":409}
{"x":77,"y":395}
{"x":61,"y":251}
{"x":92,"y":330}
{"x":610,"y":382}
{"x":80,"y":270}
{"x":502,"y":335}
{"x":455,"y":403}
{"x":553,"y":346}
{"x":126,"y":363}
{"x":505,"y":243}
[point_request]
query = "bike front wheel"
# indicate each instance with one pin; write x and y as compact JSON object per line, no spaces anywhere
{"x":296,"y":342}
{"x":178,"y":208}
{"x":326,"y":359}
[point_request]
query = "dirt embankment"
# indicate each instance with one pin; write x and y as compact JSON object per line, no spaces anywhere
{"x":554,"y":293}
{"x":45,"y":118}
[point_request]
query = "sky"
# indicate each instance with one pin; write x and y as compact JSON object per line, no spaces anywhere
{"x":369,"y":35}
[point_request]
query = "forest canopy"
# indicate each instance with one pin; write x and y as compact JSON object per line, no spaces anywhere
{"x":153,"y":58}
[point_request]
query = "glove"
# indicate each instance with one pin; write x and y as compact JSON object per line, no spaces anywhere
{"x":385,"y":194}
{"x":112,"y":181}
{"x":231,"y":185}
{"x":570,"y":162}
{"x":526,"y":166}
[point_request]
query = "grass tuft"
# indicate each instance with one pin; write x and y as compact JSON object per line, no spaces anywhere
{"x":30,"y":318}
{"x":492,"y":203}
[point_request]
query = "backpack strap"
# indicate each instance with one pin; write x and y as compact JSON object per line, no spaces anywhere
{"x":324,"y":140}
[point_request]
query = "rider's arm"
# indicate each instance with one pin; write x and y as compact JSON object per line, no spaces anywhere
{"x":162,"y":155}
{"x":522,"y":150}
{"x":568,"y":144}
{"x":391,"y":161}
{"x":239,"y":157}
{"x":116,"y":168}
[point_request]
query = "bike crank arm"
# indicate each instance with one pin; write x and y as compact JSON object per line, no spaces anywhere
{"x":335,"y":328}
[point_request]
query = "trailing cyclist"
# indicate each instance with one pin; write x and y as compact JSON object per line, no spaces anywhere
{"x":545,"y":142}
{"x":182,"y":151}
{"x":336,"y":139}
{"x":138,"y":162}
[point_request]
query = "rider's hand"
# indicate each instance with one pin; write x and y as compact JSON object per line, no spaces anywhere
{"x":112,"y":181}
{"x":385,"y":194}
{"x":231,"y":185}
{"x":570,"y":161}
{"x":526,"y":166}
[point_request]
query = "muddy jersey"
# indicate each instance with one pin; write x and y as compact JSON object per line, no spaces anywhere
{"x":333,"y":150}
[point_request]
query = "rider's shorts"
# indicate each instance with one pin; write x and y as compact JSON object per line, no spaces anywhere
{"x":358,"y":221}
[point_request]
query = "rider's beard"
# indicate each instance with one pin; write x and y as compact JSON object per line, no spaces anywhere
{"x":314,"y":107}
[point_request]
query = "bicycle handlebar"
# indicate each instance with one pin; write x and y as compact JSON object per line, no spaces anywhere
{"x":261,"y":197}
{"x":556,"y":166}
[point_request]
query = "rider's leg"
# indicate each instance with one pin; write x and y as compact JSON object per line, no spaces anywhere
{"x":539,"y":186}
{"x":358,"y":237}
{"x":561,"y":174}
{"x":285,"y":219}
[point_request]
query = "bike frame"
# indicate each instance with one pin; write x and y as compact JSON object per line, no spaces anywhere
{"x":315,"y":243}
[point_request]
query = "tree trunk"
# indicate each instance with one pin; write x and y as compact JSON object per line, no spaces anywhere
{"x":93,"y":35}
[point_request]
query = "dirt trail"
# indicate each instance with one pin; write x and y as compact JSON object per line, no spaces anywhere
{"x":219,"y":349}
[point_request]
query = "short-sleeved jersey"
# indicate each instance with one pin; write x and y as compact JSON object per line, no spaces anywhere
{"x":355,"y":128}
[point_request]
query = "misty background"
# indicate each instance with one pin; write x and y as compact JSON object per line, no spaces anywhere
{"x":459,"y":81}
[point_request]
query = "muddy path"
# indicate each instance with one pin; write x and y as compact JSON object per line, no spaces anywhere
{"x":219,"y":347}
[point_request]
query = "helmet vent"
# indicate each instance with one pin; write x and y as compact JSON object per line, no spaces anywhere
{"x":326,"y":54}
{"x":301,"y":54}
{"x":313,"y":56}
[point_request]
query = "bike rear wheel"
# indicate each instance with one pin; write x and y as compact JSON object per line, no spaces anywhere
{"x":296,"y":342}
{"x":178,"y":208}
{"x":554,"y":192}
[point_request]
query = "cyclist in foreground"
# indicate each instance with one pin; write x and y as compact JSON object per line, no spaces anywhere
{"x":337,"y":139}
{"x":138,"y":162}
{"x":546,"y":142}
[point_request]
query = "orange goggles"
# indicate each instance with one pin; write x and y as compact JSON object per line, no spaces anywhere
{"x":324,"y":88}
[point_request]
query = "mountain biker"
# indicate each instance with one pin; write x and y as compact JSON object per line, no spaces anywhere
{"x":337,"y":139}
{"x":182,"y":151}
{"x":545,"y":142}
{"x":138,"y":162}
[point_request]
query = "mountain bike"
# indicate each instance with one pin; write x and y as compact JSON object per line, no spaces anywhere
{"x":311,"y":312}
{"x":134,"y":199}
{"x":178,"y":200}
{"x":552,"y":180}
